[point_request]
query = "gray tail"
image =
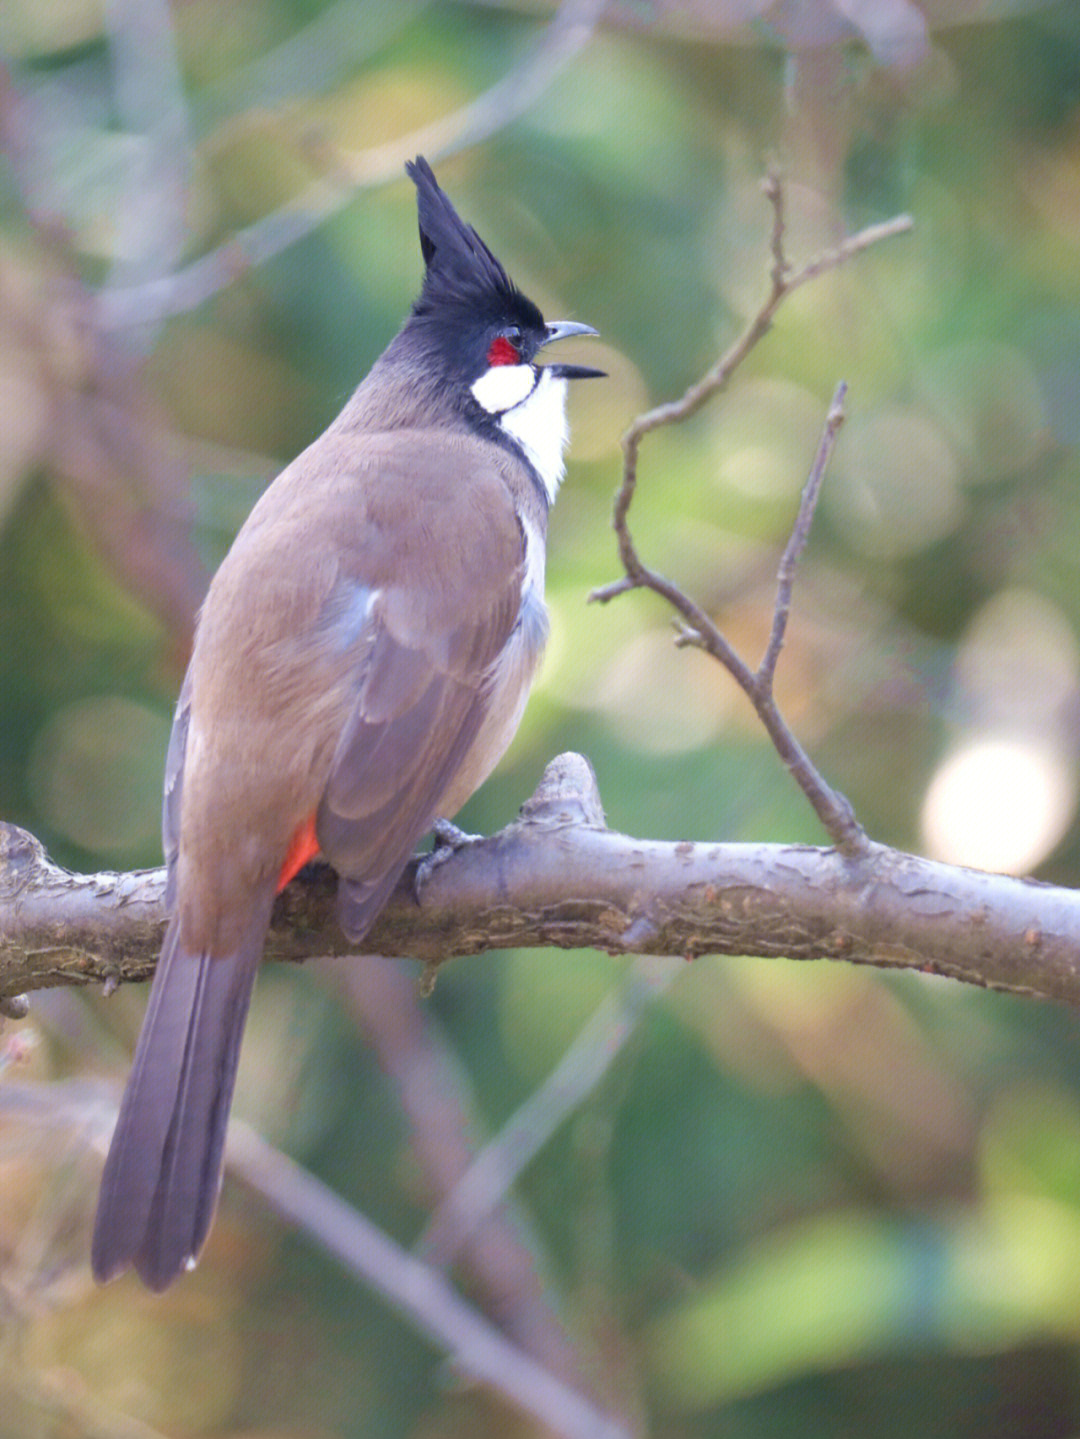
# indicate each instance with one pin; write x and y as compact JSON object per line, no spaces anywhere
{"x":161,"y":1179}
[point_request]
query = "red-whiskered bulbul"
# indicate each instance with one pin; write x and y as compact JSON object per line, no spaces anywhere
{"x":360,"y":664}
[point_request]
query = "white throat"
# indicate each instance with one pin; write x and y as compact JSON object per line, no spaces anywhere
{"x":530,"y":405}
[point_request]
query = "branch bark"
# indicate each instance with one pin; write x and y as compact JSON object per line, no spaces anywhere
{"x":558,"y":877}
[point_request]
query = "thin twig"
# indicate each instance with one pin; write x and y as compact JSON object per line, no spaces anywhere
{"x":698,"y":629}
{"x":800,"y":533}
{"x":847,"y":249}
{"x":348,"y":174}
{"x":773,"y":191}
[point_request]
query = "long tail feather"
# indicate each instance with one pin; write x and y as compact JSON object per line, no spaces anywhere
{"x":163,"y":1172}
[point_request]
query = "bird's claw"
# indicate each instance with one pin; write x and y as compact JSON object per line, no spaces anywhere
{"x":449,"y":838}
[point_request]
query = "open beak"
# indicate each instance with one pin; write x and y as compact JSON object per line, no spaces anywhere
{"x":564,"y":330}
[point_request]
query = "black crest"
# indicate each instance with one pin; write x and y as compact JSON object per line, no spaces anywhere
{"x":461,"y":270}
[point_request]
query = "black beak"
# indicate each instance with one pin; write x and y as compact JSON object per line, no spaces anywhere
{"x":564,"y":330}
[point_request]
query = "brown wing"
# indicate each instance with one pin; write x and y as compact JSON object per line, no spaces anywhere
{"x":441,"y":598}
{"x":422,"y":701}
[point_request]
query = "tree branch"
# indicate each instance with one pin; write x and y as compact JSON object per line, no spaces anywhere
{"x":785,"y":577}
{"x":698,"y":629}
{"x":476,"y":1348}
{"x":502,"y":1252}
{"x":558,"y":877}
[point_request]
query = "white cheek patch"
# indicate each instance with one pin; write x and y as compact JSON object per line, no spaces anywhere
{"x":504,"y":386}
{"x":539,"y":425}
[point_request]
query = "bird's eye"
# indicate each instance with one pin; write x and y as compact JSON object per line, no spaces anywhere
{"x":505,"y":348}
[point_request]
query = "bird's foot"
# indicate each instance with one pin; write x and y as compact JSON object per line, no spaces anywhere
{"x":449,"y":838}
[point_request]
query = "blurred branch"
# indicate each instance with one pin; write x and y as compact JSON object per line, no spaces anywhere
{"x":61,"y":1404}
{"x":501,"y":1255}
{"x":493,"y":1172}
{"x":124,"y":477}
{"x":558,"y":877}
{"x":477,"y":1350}
{"x":698,"y":629}
{"x":314,"y":59}
{"x":152,"y":107}
{"x":347,"y":174}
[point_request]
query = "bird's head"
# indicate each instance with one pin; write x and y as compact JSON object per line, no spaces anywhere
{"x":487,"y":335}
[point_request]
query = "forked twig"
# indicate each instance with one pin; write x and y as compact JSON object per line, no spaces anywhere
{"x":698,"y":629}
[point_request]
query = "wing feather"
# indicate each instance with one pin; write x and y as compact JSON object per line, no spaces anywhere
{"x":403,"y":746}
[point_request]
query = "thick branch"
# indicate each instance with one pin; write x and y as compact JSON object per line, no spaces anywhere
{"x":558,"y":877}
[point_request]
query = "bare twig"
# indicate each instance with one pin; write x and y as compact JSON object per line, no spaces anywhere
{"x":698,"y":629}
{"x":847,"y":250}
{"x":348,"y":174}
{"x":785,"y":578}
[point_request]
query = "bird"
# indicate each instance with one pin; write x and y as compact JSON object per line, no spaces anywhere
{"x":360,"y":664}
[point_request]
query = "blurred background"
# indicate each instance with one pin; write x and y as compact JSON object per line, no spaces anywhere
{"x":802,"y":1200}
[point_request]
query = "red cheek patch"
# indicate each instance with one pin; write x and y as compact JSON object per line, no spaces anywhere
{"x":502,"y":352}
